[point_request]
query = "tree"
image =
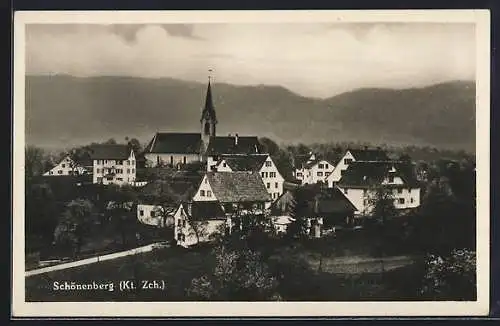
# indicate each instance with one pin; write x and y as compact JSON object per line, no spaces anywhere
{"x":238,"y":275}
{"x":33,"y":161}
{"x":75,"y":223}
{"x":121,"y":209}
{"x":381,"y":202}
{"x":41,"y":213}
{"x":134,"y":144}
{"x":451,"y":277}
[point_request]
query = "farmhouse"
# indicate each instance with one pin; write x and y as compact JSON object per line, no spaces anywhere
{"x":355,"y":155}
{"x":361,"y":179}
{"x":313,"y":170}
{"x":176,"y":149}
{"x":220,"y":198}
{"x":113,"y":164}
{"x":260,"y":163}
{"x":67,"y":166}
{"x":322,"y":208}
{"x":159,"y":199}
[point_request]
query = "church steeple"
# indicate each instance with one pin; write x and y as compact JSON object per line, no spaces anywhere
{"x":208,"y":118}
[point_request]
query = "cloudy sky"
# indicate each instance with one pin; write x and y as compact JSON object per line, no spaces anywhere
{"x":317,"y":60}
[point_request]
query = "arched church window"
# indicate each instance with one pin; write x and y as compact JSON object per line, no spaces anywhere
{"x":207,"y":128}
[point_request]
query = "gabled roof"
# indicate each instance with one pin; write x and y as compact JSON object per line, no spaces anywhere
{"x":244,"y":162}
{"x":369,"y":154}
{"x":110,"y":152}
{"x":368,"y":174}
{"x":175,"y":143}
{"x":313,"y":200}
{"x":172,"y":190}
{"x":204,"y":210}
{"x":228,"y":145}
{"x":229,"y":187}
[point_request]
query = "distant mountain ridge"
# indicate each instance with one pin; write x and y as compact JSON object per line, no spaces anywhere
{"x":66,"y":111}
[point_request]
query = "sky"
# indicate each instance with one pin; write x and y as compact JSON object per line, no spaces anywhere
{"x":310,"y":59}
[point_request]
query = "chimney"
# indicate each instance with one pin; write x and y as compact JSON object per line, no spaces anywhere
{"x":236,"y":139}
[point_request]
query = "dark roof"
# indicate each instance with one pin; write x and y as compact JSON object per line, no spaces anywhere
{"x":369,"y":154}
{"x":300,"y":160}
{"x":209,"y":110}
{"x":227,"y":145}
{"x":205,"y":210}
{"x":172,"y":190}
{"x":175,"y":143}
{"x":238,"y":186}
{"x":245,"y":162}
{"x":367,"y":174}
{"x":110,"y":152}
{"x":313,"y":200}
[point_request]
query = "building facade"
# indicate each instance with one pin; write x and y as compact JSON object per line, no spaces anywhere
{"x":67,"y":166}
{"x":314,"y":170}
{"x":113,"y":164}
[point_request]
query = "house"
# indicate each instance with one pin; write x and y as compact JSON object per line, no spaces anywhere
{"x":220,"y":198}
{"x":231,"y":145}
{"x":361,"y":179}
{"x":353,"y":155}
{"x":321,"y":207}
{"x":313,"y":170}
{"x":281,"y":223}
{"x":158,"y":200}
{"x":260,"y":163}
{"x":176,"y":149}
{"x":113,"y":164}
{"x":197,"y":222}
{"x":67,"y":166}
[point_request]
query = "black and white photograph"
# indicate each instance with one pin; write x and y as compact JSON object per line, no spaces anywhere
{"x":238,"y":163}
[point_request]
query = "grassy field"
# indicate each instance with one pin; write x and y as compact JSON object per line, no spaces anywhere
{"x":341,"y":277}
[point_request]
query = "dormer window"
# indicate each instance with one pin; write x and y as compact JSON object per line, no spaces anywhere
{"x":268,"y":163}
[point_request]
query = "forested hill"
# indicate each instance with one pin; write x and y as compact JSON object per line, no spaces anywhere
{"x":67,"y":111}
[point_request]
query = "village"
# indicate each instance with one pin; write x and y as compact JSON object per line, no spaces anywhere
{"x":361,"y":218}
{"x":238,"y":177}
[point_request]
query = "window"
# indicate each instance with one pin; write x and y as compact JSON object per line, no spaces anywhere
{"x":320,"y":174}
{"x":326,"y":165}
{"x":224,"y":164}
{"x":63,"y":165}
{"x":179,"y":236}
{"x":183,"y":223}
{"x":347,"y":161}
{"x":299,"y":175}
{"x":391,"y":179}
{"x":209,"y":193}
{"x":141,"y":213}
{"x":133,"y":170}
{"x":51,"y":172}
{"x":153,"y":214}
{"x":400,"y":190}
{"x":411,"y":200}
{"x":171,"y":160}
{"x":345,"y":191}
{"x":365,"y":202}
{"x":59,"y":172}
{"x":184,"y":160}
{"x":202,"y":193}
{"x":268,"y":163}
{"x":97,"y":171}
{"x":268,"y":185}
{"x":109,"y":178}
{"x":401,"y":201}
{"x":183,"y":237}
{"x":133,"y":162}
{"x":128,"y":170}
{"x":273,"y":174}
{"x":320,"y":166}
{"x":119,"y":179}
{"x":262,"y":173}
{"x":265,"y":173}
{"x":275,"y":185}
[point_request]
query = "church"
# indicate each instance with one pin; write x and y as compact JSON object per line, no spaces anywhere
{"x":175,"y":149}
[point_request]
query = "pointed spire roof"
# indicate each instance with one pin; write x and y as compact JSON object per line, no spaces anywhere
{"x":209,"y":110}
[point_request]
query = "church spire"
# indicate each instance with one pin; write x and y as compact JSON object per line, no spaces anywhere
{"x":209,"y":110}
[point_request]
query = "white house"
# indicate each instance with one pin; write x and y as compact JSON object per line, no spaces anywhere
{"x":313,"y":170}
{"x":261,"y":163}
{"x":220,"y":197}
{"x":67,"y":166}
{"x":361,"y":179}
{"x":113,"y":164}
{"x":353,"y":155}
{"x":155,"y":215}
